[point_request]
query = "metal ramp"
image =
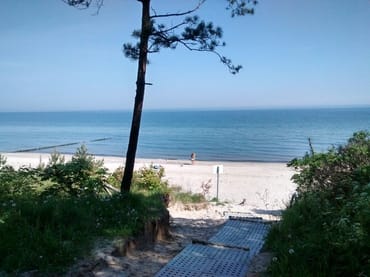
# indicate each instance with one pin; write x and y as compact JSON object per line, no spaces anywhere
{"x":228,"y":253}
{"x":203,"y":260}
{"x":243,"y":232}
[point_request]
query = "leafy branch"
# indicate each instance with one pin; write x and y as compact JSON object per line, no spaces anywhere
{"x":192,"y":33}
{"x":201,"y":2}
{"x":241,"y":7}
{"x":84,"y":4}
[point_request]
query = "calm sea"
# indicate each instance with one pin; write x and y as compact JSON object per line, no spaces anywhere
{"x":237,"y":135}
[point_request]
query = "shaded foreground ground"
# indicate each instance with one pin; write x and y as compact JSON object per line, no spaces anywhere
{"x":149,"y":260}
{"x":145,"y":262}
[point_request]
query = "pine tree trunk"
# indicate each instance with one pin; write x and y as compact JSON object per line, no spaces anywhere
{"x":139,"y":99}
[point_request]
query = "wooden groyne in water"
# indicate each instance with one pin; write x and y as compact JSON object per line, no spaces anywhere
{"x":34,"y":149}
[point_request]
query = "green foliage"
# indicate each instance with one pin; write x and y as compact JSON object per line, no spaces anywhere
{"x":241,"y":7}
{"x":186,"y":197}
{"x":50,"y":216}
{"x":332,"y":172}
{"x":49,"y":234}
{"x":327,"y":226}
{"x":81,"y":176}
{"x":116,"y":177}
{"x":190,"y":32}
{"x":18,"y":182}
{"x":150,"y":179}
{"x":48,"y":219}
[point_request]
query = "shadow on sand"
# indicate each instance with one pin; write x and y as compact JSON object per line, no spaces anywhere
{"x":276,"y":213}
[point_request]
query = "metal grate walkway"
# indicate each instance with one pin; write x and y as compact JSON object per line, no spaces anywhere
{"x":241,"y":232}
{"x":226,"y":254}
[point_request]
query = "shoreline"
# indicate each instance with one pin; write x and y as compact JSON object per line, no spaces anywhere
{"x":17,"y":157}
{"x":102,"y":156}
{"x":263,"y":188}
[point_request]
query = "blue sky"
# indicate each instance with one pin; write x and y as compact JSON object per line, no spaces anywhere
{"x":295,"y":53}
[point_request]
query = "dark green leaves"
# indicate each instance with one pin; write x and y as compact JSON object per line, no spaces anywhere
{"x":192,"y":33}
{"x":328,"y":222}
{"x":83,"y":175}
{"x":131,"y":51}
{"x":78,"y":3}
{"x":330,"y":171}
{"x":84,"y":4}
{"x":241,"y":7}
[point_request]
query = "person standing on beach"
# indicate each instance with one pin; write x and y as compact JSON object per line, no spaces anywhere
{"x":192,"y":158}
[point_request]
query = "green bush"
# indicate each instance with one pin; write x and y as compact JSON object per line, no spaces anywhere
{"x":178,"y":195}
{"x":49,"y":234}
{"x":18,"y":182}
{"x":51,"y":216}
{"x":150,"y":179}
{"x":83,"y":175}
{"x":326,"y":229}
{"x":116,"y":177}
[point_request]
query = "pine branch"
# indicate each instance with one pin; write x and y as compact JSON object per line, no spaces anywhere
{"x":201,"y":2}
{"x":241,"y":7}
{"x":84,"y":4}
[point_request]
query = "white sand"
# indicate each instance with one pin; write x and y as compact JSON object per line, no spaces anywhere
{"x":264,"y":186}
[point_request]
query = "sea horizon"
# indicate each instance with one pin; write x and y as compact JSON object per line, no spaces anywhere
{"x":237,"y":135}
{"x":189,"y":109}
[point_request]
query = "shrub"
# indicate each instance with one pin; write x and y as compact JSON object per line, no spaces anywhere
{"x":49,"y":217}
{"x":328,"y":222}
{"x":82,"y":175}
{"x":116,"y":177}
{"x":178,"y":195}
{"x":18,"y":182}
{"x":50,"y":234}
{"x":333,"y":172}
{"x":150,"y":179}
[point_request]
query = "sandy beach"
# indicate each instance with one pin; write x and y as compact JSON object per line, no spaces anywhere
{"x":258,"y":186}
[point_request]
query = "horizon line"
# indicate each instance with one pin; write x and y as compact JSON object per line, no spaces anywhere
{"x":197,"y":109}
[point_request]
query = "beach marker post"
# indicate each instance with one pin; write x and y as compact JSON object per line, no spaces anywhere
{"x":218,"y":169}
